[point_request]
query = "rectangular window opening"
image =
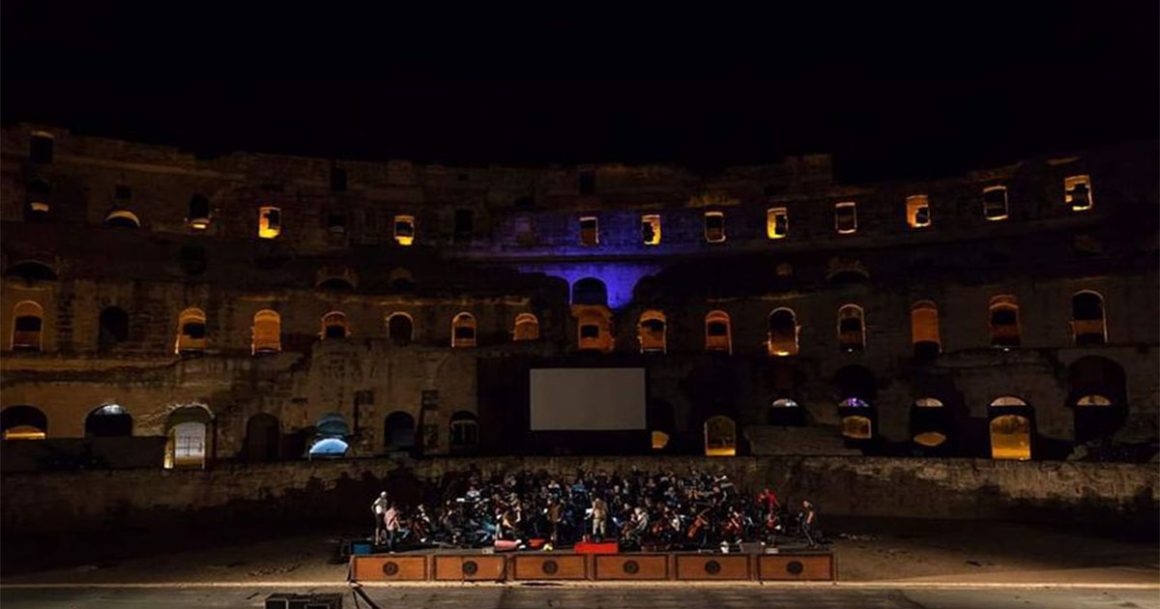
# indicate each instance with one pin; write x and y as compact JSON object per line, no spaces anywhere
{"x":846,"y":217}
{"x":777,"y":223}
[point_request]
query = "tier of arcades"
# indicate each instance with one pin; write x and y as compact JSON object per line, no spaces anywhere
{"x":529,"y":215}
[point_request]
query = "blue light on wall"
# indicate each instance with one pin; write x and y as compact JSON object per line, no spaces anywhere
{"x":620,"y":278}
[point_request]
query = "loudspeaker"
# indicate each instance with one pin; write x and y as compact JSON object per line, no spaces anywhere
{"x":280,"y":600}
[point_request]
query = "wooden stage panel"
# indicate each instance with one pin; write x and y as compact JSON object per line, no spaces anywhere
{"x":713,"y":566}
{"x":796,"y":567}
{"x":389,"y":568}
{"x":470,"y":568}
{"x":550,"y":566}
{"x":636,"y":567}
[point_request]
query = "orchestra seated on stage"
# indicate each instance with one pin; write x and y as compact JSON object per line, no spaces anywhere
{"x":641,"y":511}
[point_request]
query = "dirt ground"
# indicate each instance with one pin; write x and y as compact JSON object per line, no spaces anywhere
{"x":867,"y":550}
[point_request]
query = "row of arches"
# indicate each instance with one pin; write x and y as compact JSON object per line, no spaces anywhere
{"x":188,"y":431}
{"x":1088,"y":327}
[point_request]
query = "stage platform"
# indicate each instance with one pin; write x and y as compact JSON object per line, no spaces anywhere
{"x":796,"y":565}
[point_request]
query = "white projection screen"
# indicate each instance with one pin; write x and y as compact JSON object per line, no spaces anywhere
{"x":587,"y":399}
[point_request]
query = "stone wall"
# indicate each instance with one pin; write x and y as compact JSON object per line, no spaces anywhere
{"x":336,"y":493}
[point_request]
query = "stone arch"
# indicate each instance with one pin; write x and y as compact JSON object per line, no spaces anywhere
{"x":463,"y":330}
{"x":191,"y":335}
{"x":1005,"y":322}
{"x":783,"y":332}
{"x":400,"y":328}
{"x":527,"y":327}
{"x":335,"y":326}
{"x":1012,"y":428}
{"x":851,"y":328}
{"x":924,"y":329}
{"x":113,"y":327}
{"x":122,"y":218}
{"x":718,"y":332}
{"x":651,"y":332}
{"x":1088,"y":319}
{"x":464,"y":430}
{"x":27,"y":325}
{"x":266,"y":332}
{"x":109,"y":421}
{"x":187,"y":431}
{"x":720,"y":436}
{"x":23,"y":423}
{"x":589,"y":291}
{"x":263,"y":438}
{"x":32,"y":271}
{"x":399,"y":431}
{"x":1098,"y":395}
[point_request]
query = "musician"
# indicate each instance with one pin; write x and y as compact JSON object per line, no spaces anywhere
{"x":637,"y":524}
{"x":599,"y":518}
{"x":378,"y":508}
{"x":391,"y":522}
{"x":809,"y":523}
{"x":555,"y":513}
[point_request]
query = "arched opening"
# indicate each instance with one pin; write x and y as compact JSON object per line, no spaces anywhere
{"x":1088,"y":325}
{"x":650,"y":332}
{"x":27,"y":320}
{"x":650,"y":229}
{"x":589,"y":291}
{"x":334,"y":326}
{"x":32,"y":271}
{"x":187,"y":433}
{"x":715,"y":227}
{"x":661,"y":420}
{"x":929,"y":424}
{"x":918,"y":211}
{"x":269,"y":222}
{"x":720,"y":437}
{"x":1077,"y":192}
{"x":594,"y":327}
{"x":1011,"y":427}
{"x":336,"y":283}
{"x":783,"y":332}
{"x":333,"y":448}
{"x":266,"y":333}
{"x":857,"y":390}
{"x":851,"y":328}
{"x":23,"y":423}
{"x":464,"y":430}
{"x":1097,"y":393}
{"x":113,"y":326}
{"x":527,"y":327}
{"x":122,"y":218}
{"x":400,"y":329}
{"x":463,"y":331}
{"x":846,"y":217}
{"x":39,"y":192}
{"x":199,"y":210}
{"x":785,"y":412}
{"x":109,"y":421}
{"x":1005,"y":330}
{"x":191,"y":336}
{"x":924,"y":330}
{"x":718,"y":332}
{"x":404,"y":230}
{"x":399,"y":432}
{"x":263,"y":438}
{"x":857,"y":427}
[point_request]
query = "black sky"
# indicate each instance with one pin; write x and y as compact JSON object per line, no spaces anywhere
{"x":892,"y":91}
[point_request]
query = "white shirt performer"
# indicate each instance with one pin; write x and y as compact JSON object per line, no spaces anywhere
{"x":378,"y":509}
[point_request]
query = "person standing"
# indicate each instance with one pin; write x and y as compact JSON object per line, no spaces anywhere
{"x":599,"y":518}
{"x":391,"y":522}
{"x":378,"y":509}
{"x":809,"y":518}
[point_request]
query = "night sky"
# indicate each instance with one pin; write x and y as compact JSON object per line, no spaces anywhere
{"x":891,"y":92}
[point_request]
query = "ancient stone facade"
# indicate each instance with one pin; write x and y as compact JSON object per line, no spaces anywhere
{"x":268,"y":302}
